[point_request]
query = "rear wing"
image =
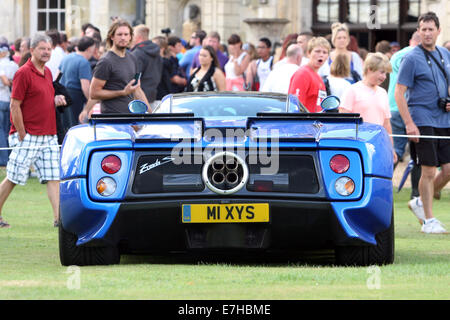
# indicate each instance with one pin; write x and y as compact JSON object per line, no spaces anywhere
{"x":161,"y":126}
{"x":324,"y":117}
{"x":172,"y":127}
{"x":135,"y":117}
{"x":304,"y":126}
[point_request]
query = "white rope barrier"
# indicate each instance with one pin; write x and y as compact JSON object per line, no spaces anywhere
{"x":31,"y":147}
{"x":420,"y":137}
{"x":392,"y":135}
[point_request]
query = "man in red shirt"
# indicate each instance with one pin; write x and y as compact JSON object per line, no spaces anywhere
{"x":33,"y":127}
{"x":306,"y":83}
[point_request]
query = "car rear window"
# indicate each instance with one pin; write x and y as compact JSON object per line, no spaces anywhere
{"x":223,"y":106}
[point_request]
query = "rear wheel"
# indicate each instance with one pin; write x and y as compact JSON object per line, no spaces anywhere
{"x":382,"y":253}
{"x":71,"y":254}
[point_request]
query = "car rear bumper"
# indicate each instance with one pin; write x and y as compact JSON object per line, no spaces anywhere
{"x":156,"y":226}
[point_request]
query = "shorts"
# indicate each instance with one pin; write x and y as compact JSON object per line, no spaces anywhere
{"x":44,"y":159}
{"x":432,"y":152}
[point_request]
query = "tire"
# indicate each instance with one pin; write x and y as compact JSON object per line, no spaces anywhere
{"x":381,"y":254}
{"x":70,"y":254}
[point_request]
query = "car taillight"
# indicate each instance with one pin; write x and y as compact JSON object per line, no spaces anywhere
{"x":345,"y":186}
{"x":111,"y":164}
{"x":339,"y":164}
{"x":106,"y":186}
{"x":263,"y":186}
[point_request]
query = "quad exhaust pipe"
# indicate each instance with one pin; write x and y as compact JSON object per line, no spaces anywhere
{"x":225,"y":173}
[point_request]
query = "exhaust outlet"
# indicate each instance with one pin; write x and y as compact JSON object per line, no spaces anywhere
{"x":218,"y":178}
{"x":232,"y":178}
{"x":218,"y":165}
{"x":232,"y":164}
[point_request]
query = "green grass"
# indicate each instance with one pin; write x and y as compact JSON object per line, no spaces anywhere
{"x":30,"y":267}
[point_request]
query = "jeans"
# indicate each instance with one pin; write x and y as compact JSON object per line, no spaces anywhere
{"x":71,"y":113}
{"x":78,"y":101}
{"x":398,"y":127}
{"x":5,"y":125}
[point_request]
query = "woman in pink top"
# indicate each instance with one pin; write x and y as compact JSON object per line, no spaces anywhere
{"x":236,"y":65}
{"x":367,"y":98}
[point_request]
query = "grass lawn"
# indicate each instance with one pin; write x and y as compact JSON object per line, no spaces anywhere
{"x":30,"y":267}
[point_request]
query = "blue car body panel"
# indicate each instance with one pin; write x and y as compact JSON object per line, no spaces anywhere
{"x":361,"y":215}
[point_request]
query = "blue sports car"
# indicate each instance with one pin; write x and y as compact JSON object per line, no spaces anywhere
{"x":226,"y":172}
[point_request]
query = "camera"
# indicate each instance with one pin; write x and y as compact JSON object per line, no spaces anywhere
{"x":442,"y":103}
{"x":166,"y":31}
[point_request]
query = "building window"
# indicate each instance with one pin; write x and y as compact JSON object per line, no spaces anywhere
{"x":397,"y":19}
{"x":50,"y":14}
{"x":358,"y":11}
{"x":413,"y":10}
{"x":388,"y":11}
{"x":327,"y":11}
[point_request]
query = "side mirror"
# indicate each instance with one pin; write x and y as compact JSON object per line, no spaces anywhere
{"x":292,"y":103}
{"x":330,"y":104}
{"x":137,"y":106}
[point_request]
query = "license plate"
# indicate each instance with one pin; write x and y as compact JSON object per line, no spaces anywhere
{"x":225,"y":213}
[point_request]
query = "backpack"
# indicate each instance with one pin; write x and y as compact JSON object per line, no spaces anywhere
{"x":61,"y":128}
{"x":355,"y":75}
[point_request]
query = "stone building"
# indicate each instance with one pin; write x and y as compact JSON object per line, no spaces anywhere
{"x":369,"y":20}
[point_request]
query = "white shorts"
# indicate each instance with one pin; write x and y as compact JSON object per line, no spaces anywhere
{"x":41,"y":151}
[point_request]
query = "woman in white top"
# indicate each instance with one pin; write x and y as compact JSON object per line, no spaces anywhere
{"x":339,"y":71}
{"x":340,"y":37}
{"x":236,"y":65}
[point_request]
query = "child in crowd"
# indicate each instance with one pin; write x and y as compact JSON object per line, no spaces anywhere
{"x":339,"y":71}
{"x":367,"y":98}
{"x":306,"y":83}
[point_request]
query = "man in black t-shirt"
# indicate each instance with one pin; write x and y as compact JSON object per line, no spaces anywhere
{"x":114,"y":76}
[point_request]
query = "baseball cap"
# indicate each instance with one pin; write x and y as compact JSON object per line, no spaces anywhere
{"x":395,"y":44}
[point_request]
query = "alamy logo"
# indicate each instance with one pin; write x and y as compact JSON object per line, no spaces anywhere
{"x":264,"y":152}
{"x":373,"y":22}
{"x":74,"y":279}
{"x":374,"y":280}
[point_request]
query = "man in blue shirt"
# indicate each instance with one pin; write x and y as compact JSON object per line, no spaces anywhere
{"x":76,"y":77}
{"x":398,"y":127}
{"x":213,"y":40}
{"x":188,"y":58}
{"x":423,"y":77}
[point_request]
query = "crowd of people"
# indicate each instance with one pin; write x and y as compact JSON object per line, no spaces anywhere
{"x":390,"y":87}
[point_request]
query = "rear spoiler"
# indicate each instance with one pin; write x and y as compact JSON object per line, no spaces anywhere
{"x":298,"y":126}
{"x":323,"y":117}
{"x":134,"y":117}
{"x":290,"y":126}
{"x":191,"y":127}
